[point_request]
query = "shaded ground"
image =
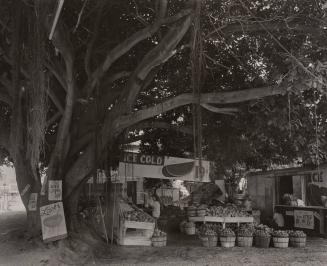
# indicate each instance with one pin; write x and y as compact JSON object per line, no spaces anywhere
{"x":189,"y":252}
{"x":17,"y":249}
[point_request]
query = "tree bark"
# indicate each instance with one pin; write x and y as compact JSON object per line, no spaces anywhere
{"x":26,"y":185}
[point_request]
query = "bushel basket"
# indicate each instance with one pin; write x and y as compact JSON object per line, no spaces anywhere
{"x":209,"y":241}
{"x":189,"y":229}
{"x":280,"y":242}
{"x":159,"y":241}
{"x":298,"y":242}
{"x":227,"y":241}
{"x":262,"y":241}
{"x":244,"y":241}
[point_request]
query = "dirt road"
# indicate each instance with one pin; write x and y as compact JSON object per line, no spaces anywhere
{"x":17,"y":249}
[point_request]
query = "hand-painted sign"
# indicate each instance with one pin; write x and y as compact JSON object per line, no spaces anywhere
{"x":137,"y":158}
{"x":53,"y":222}
{"x":136,"y":165}
{"x":303,"y":219}
{"x":32,"y":203}
{"x":55,"y":190}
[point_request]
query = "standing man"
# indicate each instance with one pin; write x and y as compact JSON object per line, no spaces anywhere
{"x":155,"y":205}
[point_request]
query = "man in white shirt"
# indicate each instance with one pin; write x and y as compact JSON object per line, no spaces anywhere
{"x":155,"y":205}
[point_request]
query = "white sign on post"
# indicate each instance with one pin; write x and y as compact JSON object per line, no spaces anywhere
{"x":304,"y":219}
{"x":53,"y":222}
{"x":55,"y":190}
{"x":32,"y":203}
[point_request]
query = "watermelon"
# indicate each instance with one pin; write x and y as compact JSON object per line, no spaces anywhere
{"x":53,"y":221}
{"x":179,"y":169}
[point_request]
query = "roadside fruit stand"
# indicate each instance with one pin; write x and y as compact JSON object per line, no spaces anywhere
{"x":135,"y":226}
{"x":221,"y":214}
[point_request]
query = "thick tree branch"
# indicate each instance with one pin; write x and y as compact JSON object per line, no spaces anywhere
{"x":96,"y":27}
{"x":61,"y":41}
{"x":158,"y":55}
{"x":226,"y":111}
{"x":55,"y":72}
{"x":162,"y":125}
{"x":55,"y":100}
{"x":251,"y":27}
{"x":188,"y":98}
{"x":130,"y":42}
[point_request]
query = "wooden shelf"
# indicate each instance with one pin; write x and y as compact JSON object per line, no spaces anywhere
{"x":215,"y":219}
{"x":138,"y":225}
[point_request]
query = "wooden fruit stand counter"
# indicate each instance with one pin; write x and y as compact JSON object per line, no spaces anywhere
{"x":127,"y":229}
{"x":223,"y":220}
{"x":139,"y":236}
{"x":311,"y":219}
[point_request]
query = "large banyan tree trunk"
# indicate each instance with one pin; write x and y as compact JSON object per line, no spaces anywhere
{"x":27,"y":184}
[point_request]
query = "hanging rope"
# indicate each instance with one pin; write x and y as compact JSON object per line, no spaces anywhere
{"x":289,"y":115}
{"x":197,"y":70}
{"x":316,"y":133}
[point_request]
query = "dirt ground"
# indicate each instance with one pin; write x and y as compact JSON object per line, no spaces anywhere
{"x":17,"y":249}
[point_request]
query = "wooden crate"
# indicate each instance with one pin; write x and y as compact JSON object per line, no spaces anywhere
{"x":140,"y":237}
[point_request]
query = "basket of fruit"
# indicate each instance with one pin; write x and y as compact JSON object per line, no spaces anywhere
{"x":262,"y":236}
{"x":297,"y":239}
{"x":190,"y":228}
{"x":208,"y":235}
{"x":159,"y":238}
{"x":191,"y":211}
{"x":227,"y":238}
{"x":245,"y":237}
{"x":201,"y":211}
{"x":280,"y":239}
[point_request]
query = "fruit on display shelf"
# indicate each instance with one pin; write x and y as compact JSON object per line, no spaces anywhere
{"x":226,"y":232}
{"x":137,"y":216}
{"x":158,"y":233}
{"x":245,"y":232}
{"x":207,"y":230}
{"x":297,"y":233}
{"x":227,"y":211}
{"x":280,"y":233}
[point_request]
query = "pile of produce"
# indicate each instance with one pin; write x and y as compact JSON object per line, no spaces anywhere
{"x":263,"y":231}
{"x":137,"y":215}
{"x":297,"y":233}
{"x":158,"y":233}
{"x":207,"y":230}
{"x":227,"y":211}
{"x":226,"y":232}
{"x":245,"y":232}
{"x":280,"y":233}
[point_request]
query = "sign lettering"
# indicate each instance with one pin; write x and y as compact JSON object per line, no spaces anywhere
{"x":55,"y":190}
{"x":137,"y":158}
{"x":32,"y":203}
{"x":53,"y":222}
{"x":303,"y":219}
